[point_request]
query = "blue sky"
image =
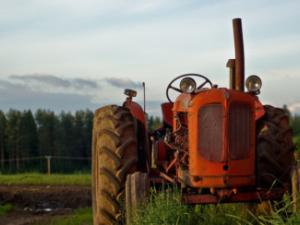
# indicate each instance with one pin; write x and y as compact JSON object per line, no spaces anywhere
{"x":67,"y":55}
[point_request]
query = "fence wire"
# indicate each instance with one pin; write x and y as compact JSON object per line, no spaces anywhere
{"x":46,"y":164}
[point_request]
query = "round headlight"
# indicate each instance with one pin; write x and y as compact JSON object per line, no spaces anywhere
{"x":187,"y":85}
{"x":253,"y":84}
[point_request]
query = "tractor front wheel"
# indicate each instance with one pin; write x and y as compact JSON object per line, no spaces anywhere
{"x":114,"y":157}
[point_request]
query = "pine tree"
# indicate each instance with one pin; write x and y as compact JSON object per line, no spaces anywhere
{"x":47,"y":128}
{"x":28,"y":139}
{"x":13,"y":139}
{"x":3,"y":153}
{"x":65,"y":139}
{"x":88,"y":130}
{"x":79,"y":138}
{"x":46,"y":125}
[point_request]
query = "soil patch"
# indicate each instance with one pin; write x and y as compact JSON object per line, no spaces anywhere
{"x":40,"y":203}
{"x":46,"y":197}
{"x":20,"y":217}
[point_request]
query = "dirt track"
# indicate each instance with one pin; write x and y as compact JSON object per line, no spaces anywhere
{"x":39,"y":203}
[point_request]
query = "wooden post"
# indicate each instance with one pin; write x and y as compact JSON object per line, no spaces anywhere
{"x":295,"y":187}
{"x":137,"y":189}
{"x":48,"y":165}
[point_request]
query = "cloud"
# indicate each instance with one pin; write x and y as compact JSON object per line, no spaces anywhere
{"x":4,"y":84}
{"x":52,"y":92}
{"x":19,"y":96}
{"x":58,"y":82}
{"x":55,"y":81}
{"x":85,"y":83}
{"x":123,"y":83}
{"x":46,"y":79}
{"x":153,"y":41}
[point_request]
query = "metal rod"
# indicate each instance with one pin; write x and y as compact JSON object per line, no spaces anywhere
{"x":239,"y":54}
{"x":144,"y":89}
{"x":166,"y":177}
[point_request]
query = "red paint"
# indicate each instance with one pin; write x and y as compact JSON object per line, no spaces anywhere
{"x":240,"y":172}
{"x":162,"y":152}
{"x":136,"y":110}
{"x":167,"y":113}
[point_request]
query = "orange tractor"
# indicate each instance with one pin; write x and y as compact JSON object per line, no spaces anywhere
{"x":219,"y":145}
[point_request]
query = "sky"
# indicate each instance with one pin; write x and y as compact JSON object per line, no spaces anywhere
{"x":70,"y":55}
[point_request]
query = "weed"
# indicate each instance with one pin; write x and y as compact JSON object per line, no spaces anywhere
{"x":6,"y":208}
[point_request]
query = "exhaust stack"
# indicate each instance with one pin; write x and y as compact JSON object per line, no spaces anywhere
{"x":238,"y":67}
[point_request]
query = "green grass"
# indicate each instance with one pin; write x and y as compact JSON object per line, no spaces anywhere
{"x":6,"y":208}
{"x":166,"y":209}
{"x":296,"y":140}
{"x":44,"y":179}
{"x":79,"y":217}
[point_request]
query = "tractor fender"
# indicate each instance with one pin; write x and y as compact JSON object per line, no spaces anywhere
{"x":136,"y":111}
{"x":138,"y":114}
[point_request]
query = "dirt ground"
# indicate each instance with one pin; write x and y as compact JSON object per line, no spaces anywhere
{"x":39,"y":203}
{"x":20,"y":217}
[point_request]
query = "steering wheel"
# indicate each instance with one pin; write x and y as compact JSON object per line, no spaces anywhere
{"x":170,"y":85}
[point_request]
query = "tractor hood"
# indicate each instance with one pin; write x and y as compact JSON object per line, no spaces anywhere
{"x":221,"y":124}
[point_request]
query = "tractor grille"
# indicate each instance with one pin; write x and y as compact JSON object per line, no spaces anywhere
{"x":240,"y":122}
{"x":211,"y":132}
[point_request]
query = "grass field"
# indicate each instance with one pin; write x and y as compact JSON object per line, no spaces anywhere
{"x":42,"y":179}
{"x":166,"y":209}
{"x":79,"y":217}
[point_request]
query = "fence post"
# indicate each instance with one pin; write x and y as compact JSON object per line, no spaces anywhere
{"x":48,"y":164}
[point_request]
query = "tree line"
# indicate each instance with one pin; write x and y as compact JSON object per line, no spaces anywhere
{"x":25,"y":138}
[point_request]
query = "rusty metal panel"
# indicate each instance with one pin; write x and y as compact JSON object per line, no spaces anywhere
{"x":211,"y":132}
{"x":240,"y":122}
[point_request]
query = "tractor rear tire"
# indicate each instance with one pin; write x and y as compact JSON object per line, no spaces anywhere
{"x":114,"y":157}
{"x":275,"y":149}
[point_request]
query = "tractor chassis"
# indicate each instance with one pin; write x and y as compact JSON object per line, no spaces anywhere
{"x":232,"y":196}
{"x":218,"y":195}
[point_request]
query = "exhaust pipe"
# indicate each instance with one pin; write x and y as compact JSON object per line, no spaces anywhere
{"x":239,"y":64}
